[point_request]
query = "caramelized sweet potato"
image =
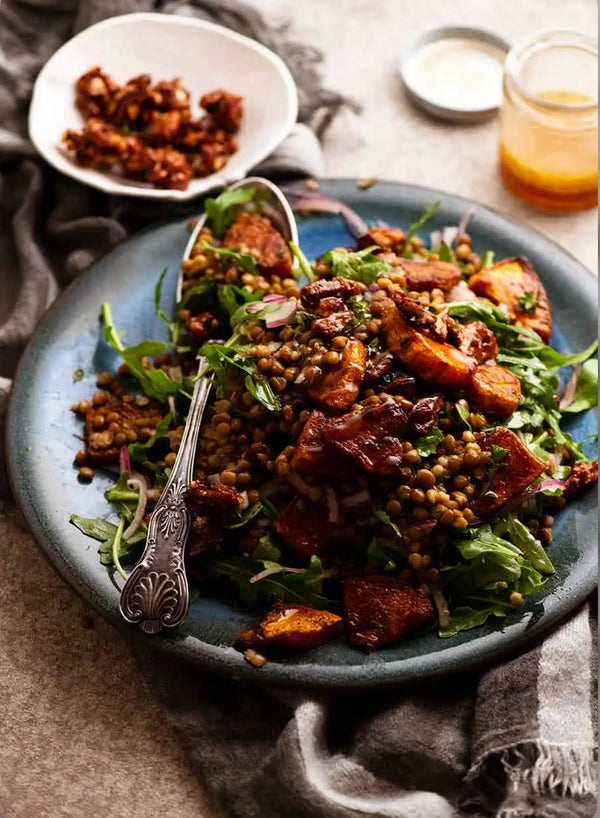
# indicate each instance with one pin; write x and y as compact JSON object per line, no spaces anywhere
{"x":514,"y":283}
{"x":494,"y":389}
{"x":582,"y":474}
{"x":476,"y":340}
{"x":255,"y":235}
{"x":339,"y":388}
{"x":311,"y":455}
{"x":305,"y":526}
{"x":128,"y":415}
{"x":371,"y":437}
{"x":434,"y":361}
{"x":313,"y":294}
{"x":288,"y":626}
{"x":379,"y":610}
{"x":430,"y":275}
{"x":205,"y":536}
{"x":390,"y":239}
{"x":518,"y":470}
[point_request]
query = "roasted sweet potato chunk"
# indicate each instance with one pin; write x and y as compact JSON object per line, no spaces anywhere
{"x":514,"y":283}
{"x":430,"y":275}
{"x":371,"y":437}
{"x":311,"y":455}
{"x":494,"y":389}
{"x":255,"y":235}
{"x":476,"y":340}
{"x":379,"y":610}
{"x":288,"y":626}
{"x":518,"y":470}
{"x":305,"y":526}
{"x":390,"y":239}
{"x":129,"y":414}
{"x":339,"y":388}
{"x":314,"y":293}
{"x":434,"y":361}
{"x":582,"y":474}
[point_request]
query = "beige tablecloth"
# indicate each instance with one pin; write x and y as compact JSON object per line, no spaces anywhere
{"x":81,"y":736}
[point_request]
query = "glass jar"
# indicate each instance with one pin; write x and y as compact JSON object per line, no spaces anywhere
{"x":549,"y":121}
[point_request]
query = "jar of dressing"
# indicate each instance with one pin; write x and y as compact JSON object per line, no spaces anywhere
{"x":549,"y":121}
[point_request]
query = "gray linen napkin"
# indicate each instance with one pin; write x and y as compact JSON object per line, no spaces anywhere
{"x":517,"y":742}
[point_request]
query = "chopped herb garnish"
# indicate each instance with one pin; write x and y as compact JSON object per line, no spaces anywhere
{"x":528,"y":301}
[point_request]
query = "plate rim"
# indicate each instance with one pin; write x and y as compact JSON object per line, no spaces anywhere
{"x":111,"y":185}
{"x":225,"y":659}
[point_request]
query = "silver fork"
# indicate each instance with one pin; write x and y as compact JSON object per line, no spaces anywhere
{"x":156,"y":594}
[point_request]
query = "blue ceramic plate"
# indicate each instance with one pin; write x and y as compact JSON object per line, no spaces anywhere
{"x":42,"y":439}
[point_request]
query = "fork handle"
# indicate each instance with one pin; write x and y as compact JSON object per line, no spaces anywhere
{"x":156,"y":594}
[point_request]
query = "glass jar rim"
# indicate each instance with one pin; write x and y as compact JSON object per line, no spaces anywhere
{"x":539,"y":42}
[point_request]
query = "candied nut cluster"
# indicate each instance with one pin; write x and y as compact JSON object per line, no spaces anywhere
{"x":147,"y":131}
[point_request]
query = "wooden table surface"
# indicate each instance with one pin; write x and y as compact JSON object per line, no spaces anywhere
{"x":81,"y":735}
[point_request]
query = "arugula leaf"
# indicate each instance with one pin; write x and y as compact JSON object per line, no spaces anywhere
{"x":266,"y":549}
{"x":304,"y":588}
{"x":222,"y":211}
{"x":528,"y":301}
{"x":231,"y":297}
{"x":105,"y":532}
{"x":530,"y":547}
{"x":463,"y":411}
{"x":416,"y":226}
{"x":385,"y":518}
{"x":244,"y":260}
{"x":244,"y":517}
{"x":498,"y":456}
{"x":203,"y":288}
{"x":465,"y":617}
{"x":444,"y":252}
{"x":78,"y":375}
{"x":154,"y":382}
{"x":377,"y":557}
{"x":362,"y":265}
{"x":219,"y":356}
{"x":586,"y":392}
{"x":140,"y":452}
{"x":488,"y":259}
{"x":304,"y":266}
{"x":158,"y":310}
{"x":429,"y":444}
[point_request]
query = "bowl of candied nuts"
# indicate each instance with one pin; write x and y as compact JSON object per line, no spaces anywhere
{"x":160,"y":106}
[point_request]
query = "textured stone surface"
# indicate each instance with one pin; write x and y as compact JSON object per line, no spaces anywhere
{"x":80,"y":734}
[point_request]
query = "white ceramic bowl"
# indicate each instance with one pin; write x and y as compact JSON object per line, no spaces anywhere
{"x":204,"y":55}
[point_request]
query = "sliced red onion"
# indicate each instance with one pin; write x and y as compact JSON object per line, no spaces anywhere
{"x":213,"y":479}
{"x":548,"y":485}
{"x":283,"y":314}
{"x":301,"y":486}
{"x":570,"y":388}
{"x":383,"y":225}
{"x":335,"y":512}
{"x":137,"y":481}
{"x":300,"y":379}
{"x":304,"y":201}
{"x":124,"y":459}
{"x":428,"y":525}
{"x":373,"y":287}
{"x":361,"y":498}
{"x":442,"y":606}
{"x":273,"y":297}
{"x":255,"y":306}
{"x":545,"y":485}
{"x":273,"y":346}
{"x":461,"y":292}
{"x":275,"y":569}
{"x":244,"y":502}
{"x":446,"y":234}
{"x":462,"y":225}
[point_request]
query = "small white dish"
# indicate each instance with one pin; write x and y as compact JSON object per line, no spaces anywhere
{"x":206,"y":57}
{"x":455,"y":72}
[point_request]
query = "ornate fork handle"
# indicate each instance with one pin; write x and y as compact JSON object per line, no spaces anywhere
{"x":156,"y":594}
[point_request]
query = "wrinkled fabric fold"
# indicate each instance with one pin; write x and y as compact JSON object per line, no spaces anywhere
{"x":518,"y":741}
